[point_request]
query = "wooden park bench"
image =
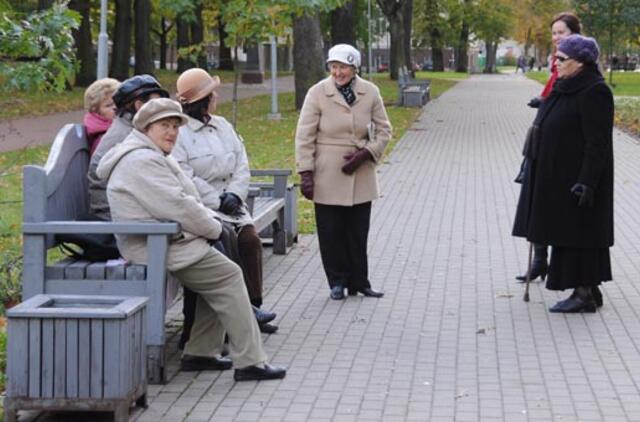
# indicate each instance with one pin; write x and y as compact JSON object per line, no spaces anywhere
{"x":57,"y":194}
{"x":412,"y":92}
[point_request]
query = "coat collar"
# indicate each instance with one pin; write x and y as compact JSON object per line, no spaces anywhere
{"x":196,"y":125}
{"x":589,"y":76}
{"x":332,"y":92}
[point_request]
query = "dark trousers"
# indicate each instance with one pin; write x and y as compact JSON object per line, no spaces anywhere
{"x":342,"y":234}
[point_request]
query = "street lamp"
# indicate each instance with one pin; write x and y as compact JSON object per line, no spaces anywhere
{"x":103,"y":41}
{"x":274,"y":115}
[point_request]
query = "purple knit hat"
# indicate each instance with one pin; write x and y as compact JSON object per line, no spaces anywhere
{"x":580,"y":48}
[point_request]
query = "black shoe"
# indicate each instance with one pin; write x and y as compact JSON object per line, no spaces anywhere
{"x":257,"y":373}
{"x":268,"y":328}
{"x":537,"y":270}
{"x":337,"y":293}
{"x":574,"y":304}
{"x":184,"y":338}
{"x":263,"y":317}
{"x":597,"y":295}
{"x":203,"y":363}
{"x":367,"y":291}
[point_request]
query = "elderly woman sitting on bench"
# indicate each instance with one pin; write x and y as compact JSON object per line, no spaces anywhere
{"x":146,"y":184}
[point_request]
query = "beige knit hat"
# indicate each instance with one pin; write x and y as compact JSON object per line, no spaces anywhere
{"x":195,"y":84}
{"x":158,"y":109}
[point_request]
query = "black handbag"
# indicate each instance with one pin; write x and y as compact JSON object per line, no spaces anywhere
{"x":93,"y":247}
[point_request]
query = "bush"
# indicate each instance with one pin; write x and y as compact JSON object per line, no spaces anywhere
{"x":37,"y":53}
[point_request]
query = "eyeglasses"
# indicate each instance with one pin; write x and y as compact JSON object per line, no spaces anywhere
{"x":561,"y":59}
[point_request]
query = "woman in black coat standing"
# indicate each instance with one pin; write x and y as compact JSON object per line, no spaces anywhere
{"x":570,"y":189}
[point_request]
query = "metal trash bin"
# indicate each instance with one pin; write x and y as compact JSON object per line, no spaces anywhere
{"x":70,"y":352}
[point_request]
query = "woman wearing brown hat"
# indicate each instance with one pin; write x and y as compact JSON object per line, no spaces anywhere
{"x":342,"y":132}
{"x":146,"y":184}
{"x":212,"y":154}
{"x":570,"y":196}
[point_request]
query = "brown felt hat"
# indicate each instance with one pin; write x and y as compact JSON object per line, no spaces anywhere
{"x":195,"y":84}
{"x":158,"y":109}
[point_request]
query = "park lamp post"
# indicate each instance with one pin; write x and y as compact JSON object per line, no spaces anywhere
{"x":369,"y":58}
{"x":274,"y":115}
{"x":103,"y":40}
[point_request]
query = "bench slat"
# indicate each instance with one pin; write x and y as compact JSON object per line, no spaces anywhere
{"x":55,"y":227}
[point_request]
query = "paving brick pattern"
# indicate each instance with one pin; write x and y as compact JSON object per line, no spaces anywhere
{"x":452,"y":338}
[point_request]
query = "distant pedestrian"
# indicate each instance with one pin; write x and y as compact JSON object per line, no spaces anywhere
{"x":101,"y":110}
{"x":532,"y":62}
{"x":521,"y":64}
{"x":570,"y":194}
{"x":342,"y":132}
{"x":562,"y":25}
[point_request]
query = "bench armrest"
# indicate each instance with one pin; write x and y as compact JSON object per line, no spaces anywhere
{"x":53,"y":227}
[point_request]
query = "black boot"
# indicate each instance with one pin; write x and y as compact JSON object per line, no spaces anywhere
{"x":580,"y":300}
{"x":597,"y":295}
{"x":539,"y":266}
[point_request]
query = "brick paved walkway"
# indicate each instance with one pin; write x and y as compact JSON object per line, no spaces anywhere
{"x":452,"y":338}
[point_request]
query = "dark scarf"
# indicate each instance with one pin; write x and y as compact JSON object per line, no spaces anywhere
{"x":347,"y":91}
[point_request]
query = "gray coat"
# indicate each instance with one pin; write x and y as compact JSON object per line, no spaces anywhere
{"x":144,"y":184}
{"x":98,"y":203}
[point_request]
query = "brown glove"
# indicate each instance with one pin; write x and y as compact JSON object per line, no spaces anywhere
{"x":355,"y":159}
{"x":306,"y":184}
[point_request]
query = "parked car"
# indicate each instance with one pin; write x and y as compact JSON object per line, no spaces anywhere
{"x":428,"y":65}
{"x":383,"y":67}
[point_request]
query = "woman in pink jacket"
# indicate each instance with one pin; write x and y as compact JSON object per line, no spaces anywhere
{"x":101,"y":110}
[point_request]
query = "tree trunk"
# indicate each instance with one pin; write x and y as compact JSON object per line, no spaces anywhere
{"x":462,"y":47}
{"x":490,"y":64}
{"x":162,"y":34}
{"x":343,"y":24}
{"x":84,"y":48}
{"x":225,"y":61}
{"x":392,"y":9}
{"x":407,"y":18}
{"x":182,"y":40}
{"x":121,"y":41}
{"x":144,"y":59}
{"x":197,"y":36}
{"x":437,"y":57}
{"x":308,"y":55}
{"x":45,"y":4}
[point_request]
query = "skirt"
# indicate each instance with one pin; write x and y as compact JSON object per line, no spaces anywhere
{"x":575,"y":267}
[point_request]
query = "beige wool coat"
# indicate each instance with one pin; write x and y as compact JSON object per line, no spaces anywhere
{"x":328,"y":128}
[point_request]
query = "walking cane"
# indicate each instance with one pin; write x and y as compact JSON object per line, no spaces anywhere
{"x":528,"y":277}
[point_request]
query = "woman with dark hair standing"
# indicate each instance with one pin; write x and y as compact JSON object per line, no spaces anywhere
{"x":570,"y":194}
{"x":212,"y":154}
{"x":562,"y":25}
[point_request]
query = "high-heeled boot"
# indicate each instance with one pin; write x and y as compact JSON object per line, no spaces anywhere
{"x":539,"y":266}
{"x":581,"y":300}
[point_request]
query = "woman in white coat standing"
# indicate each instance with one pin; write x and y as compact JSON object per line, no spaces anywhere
{"x":342,"y":132}
{"x":212,"y":154}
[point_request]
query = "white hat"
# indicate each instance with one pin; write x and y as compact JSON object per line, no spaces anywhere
{"x":158,"y":109}
{"x":344,"y":53}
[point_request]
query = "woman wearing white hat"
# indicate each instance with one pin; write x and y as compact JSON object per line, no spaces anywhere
{"x":342,"y":132}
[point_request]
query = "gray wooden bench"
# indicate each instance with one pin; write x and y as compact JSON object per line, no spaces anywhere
{"x":273,"y":206}
{"x":412,"y":92}
{"x":56,"y":194}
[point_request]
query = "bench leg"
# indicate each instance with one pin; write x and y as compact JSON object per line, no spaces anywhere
{"x":155,"y":364}
{"x":121,"y":412}
{"x":142,"y":401}
{"x":279,"y":235}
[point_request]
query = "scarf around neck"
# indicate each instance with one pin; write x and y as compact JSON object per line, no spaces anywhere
{"x":347,"y":91}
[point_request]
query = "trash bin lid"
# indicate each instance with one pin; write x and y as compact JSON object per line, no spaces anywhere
{"x":77,"y":306}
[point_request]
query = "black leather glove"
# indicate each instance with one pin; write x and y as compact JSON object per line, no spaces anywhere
{"x":306,"y":184}
{"x":230,"y":204}
{"x":355,"y":159}
{"x":586,"y":195}
{"x":535,"y":102}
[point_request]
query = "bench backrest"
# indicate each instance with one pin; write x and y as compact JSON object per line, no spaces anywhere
{"x":59,"y":190}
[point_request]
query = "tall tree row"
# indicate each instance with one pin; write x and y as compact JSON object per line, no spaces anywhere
{"x":393,"y":10}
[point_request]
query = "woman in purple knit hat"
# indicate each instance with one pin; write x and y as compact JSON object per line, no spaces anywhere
{"x":571,"y":194}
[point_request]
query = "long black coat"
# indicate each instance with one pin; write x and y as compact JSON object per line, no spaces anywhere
{"x":574,"y":146}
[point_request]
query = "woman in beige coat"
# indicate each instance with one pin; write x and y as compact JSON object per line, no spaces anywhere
{"x":341,"y":135}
